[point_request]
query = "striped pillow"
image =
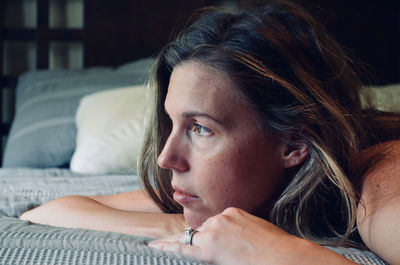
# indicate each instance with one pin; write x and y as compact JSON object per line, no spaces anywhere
{"x":43,"y":131}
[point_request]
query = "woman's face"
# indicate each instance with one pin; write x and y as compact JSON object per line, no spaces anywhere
{"x":218,"y":155}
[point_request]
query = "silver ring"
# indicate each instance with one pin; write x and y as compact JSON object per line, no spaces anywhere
{"x":189,"y":232}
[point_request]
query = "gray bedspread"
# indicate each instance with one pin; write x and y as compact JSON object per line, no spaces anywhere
{"x":22,"y":189}
{"x":22,"y":242}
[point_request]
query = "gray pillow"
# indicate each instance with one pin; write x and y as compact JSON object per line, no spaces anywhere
{"x":43,"y":131}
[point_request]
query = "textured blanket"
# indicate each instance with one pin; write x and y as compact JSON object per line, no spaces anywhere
{"x":22,"y":242}
{"x":22,"y":189}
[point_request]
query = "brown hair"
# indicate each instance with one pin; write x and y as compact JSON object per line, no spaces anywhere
{"x":303,"y":87}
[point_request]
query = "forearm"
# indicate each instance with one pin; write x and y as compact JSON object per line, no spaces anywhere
{"x":84,"y":212}
{"x":136,"y":201}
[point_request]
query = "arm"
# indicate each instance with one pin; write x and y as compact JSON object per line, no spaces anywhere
{"x":136,"y":200}
{"x":378,"y":215}
{"x":130,"y":213}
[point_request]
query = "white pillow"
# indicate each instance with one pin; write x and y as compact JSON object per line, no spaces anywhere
{"x":110,"y":130}
{"x":386,"y":98}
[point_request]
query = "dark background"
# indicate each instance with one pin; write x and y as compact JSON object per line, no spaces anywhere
{"x":369,"y":29}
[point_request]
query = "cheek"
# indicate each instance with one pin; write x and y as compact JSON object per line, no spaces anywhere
{"x":216,"y":177}
{"x":239,"y":177}
{"x":223,"y":178}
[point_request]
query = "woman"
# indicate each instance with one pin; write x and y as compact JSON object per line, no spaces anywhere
{"x":257,"y":137}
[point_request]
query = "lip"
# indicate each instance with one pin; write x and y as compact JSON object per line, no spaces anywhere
{"x":183,"y":197}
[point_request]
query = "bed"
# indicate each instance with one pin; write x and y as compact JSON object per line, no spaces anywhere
{"x":71,"y":150}
{"x":78,"y":131}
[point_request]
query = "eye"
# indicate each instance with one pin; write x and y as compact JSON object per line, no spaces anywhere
{"x":200,"y":130}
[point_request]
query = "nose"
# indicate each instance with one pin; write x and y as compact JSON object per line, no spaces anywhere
{"x":173,"y":154}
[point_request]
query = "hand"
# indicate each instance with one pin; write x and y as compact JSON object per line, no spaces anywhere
{"x":233,"y":237}
{"x":237,"y":237}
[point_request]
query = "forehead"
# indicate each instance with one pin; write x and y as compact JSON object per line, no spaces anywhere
{"x":195,"y":85}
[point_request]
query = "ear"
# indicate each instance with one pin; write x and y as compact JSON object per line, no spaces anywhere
{"x":294,"y":155}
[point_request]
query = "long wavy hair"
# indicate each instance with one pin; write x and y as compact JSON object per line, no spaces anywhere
{"x":303,"y":87}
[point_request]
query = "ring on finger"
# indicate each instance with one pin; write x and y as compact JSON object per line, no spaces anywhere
{"x":189,"y":232}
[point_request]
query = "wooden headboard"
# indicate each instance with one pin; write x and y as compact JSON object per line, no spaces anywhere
{"x":119,"y":31}
{"x":122,"y":31}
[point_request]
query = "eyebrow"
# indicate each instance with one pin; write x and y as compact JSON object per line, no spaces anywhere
{"x":193,"y":114}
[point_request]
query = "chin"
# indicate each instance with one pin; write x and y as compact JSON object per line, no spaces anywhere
{"x":194,"y":219}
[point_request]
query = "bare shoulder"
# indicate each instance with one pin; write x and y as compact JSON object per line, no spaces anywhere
{"x":378,"y":215}
{"x":136,"y":200}
{"x":384,"y":178}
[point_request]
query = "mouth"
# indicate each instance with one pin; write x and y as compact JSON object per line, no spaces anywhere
{"x":183,"y":197}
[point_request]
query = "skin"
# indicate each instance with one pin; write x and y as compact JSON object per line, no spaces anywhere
{"x":129,"y":213}
{"x":236,"y":237}
{"x":216,"y":153}
{"x":379,"y":213}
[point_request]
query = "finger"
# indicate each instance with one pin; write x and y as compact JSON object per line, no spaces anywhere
{"x":202,"y":228}
{"x":205,"y":225}
{"x":180,"y":248}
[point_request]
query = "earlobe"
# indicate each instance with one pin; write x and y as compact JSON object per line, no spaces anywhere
{"x":294,"y":155}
